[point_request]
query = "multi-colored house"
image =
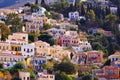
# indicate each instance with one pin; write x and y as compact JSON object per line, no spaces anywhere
{"x":107,"y":73}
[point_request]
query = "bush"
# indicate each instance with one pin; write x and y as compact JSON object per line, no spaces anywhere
{"x":66,"y":67}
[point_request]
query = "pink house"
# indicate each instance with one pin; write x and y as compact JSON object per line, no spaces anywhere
{"x":94,"y":57}
{"x":66,"y":41}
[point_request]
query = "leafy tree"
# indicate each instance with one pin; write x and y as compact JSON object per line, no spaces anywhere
{"x":5,"y":31}
{"x":32,"y":75}
{"x":16,"y":22}
{"x":55,"y":15}
{"x":47,"y":38}
{"x":111,"y":18}
{"x":66,"y":67}
{"x":16,"y":79}
{"x":87,"y":77}
{"x":19,"y":66}
{"x":16,"y":67}
{"x":107,"y":62}
{"x":112,"y":47}
{"x":43,"y":3}
{"x":34,"y":7}
{"x":31,"y":37}
{"x":78,"y":5}
{"x":91,"y":15}
{"x":82,"y":10}
{"x":80,"y":74}
{"x":1,"y":65}
{"x":48,"y":26}
{"x":82,"y":21}
{"x":62,"y":76}
{"x":62,"y":5}
{"x":96,"y":79}
{"x":27,"y":4}
{"x":13,"y":71}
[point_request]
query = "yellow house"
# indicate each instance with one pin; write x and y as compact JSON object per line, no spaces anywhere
{"x":58,"y":53}
{"x":19,"y":36}
{"x":17,"y":48}
{"x":33,"y":28}
{"x":41,"y":48}
{"x":4,"y":46}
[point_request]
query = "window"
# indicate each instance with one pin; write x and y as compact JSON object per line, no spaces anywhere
{"x":5,"y":59}
{"x":24,"y":49}
{"x":27,"y":78}
{"x":106,"y":72}
{"x":51,"y":76}
{"x":111,"y":72}
{"x":10,"y":59}
{"x":24,"y":78}
{"x":28,"y":50}
{"x":31,"y":50}
{"x":24,"y":38}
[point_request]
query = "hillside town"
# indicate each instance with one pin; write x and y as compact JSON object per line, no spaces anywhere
{"x":61,"y":40}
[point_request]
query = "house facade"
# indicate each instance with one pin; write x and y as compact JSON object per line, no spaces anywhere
{"x":94,"y":57}
{"x":24,"y":75}
{"x":107,"y":73}
{"x":58,"y":53}
{"x":28,"y":50}
{"x":41,"y":48}
{"x":9,"y":60}
{"x":37,"y":62}
{"x":74,"y":15}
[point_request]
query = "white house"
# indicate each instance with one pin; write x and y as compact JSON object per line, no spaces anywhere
{"x":85,"y":45}
{"x":77,"y":48}
{"x":27,"y":50}
{"x":113,"y":9}
{"x":56,"y":33}
{"x":40,"y":12}
{"x":73,"y":15}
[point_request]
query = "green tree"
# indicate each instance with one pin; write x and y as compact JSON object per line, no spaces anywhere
{"x":87,"y":77}
{"x":19,"y":66}
{"x":16,"y":22}
{"x":5,"y":31}
{"x":62,"y":5}
{"x":34,"y":7}
{"x":27,"y":4}
{"x":16,"y":68}
{"x":80,"y":74}
{"x":65,"y":66}
{"x":48,"y":26}
{"x":112,"y":48}
{"x":1,"y":65}
{"x":78,"y":5}
{"x":82,"y":10}
{"x":62,"y":76}
{"x":91,"y":15}
{"x":55,"y":15}
{"x":16,"y":79}
{"x":111,"y":18}
{"x":47,"y":38}
{"x":31,"y":37}
{"x":107,"y":62}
